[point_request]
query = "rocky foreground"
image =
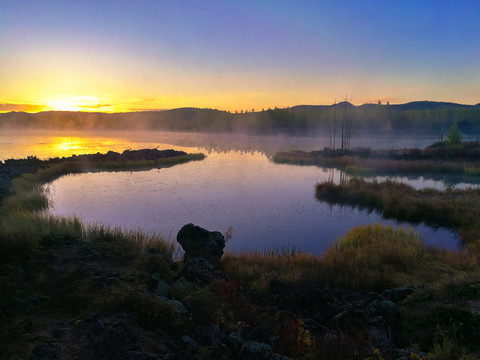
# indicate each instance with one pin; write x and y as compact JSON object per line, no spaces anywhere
{"x":93,"y":301}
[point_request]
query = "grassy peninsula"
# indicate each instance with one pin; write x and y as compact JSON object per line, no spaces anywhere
{"x":68,"y":290}
{"x":461,"y":160}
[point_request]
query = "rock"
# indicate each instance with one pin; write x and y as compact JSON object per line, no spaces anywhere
{"x":253,"y":350}
{"x":212,"y":335}
{"x":379,"y":339}
{"x":283,"y":294}
{"x":387,"y":306}
{"x":352,"y":319}
{"x":190,"y":343}
{"x":181,"y":288}
{"x":256,"y":350}
{"x":200,"y":270}
{"x":398,"y":294}
{"x":179,"y":306}
{"x":28,"y":325}
{"x":235,"y":341}
{"x":46,"y":351}
{"x":162,"y":286}
{"x":409,"y":353}
{"x":198,"y":242}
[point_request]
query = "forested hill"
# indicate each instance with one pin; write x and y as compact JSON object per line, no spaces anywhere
{"x":426,"y":117}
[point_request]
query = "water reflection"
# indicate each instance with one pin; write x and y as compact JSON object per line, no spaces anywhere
{"x":267,"y":204}
{"x":60,"y":144}
{"x":57,"y":143}
{"x":237,"y":185}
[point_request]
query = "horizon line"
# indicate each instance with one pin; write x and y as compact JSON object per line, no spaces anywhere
{"x":17,"y":108}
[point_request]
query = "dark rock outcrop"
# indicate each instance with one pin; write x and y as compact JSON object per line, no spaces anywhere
{"x":198,"y":242}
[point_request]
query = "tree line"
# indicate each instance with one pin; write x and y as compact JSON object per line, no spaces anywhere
{"x":421,"y":117}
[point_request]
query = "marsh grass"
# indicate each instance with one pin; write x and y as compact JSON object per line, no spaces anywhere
{"x":472,"y":171}
{"x":452,"y":209}
{"x":127,"y":244}
{"x":294,"y":157}
{"x":376,"y":256}
{"x":258,"y":268}
{"x":367,"y":257}
{"x":447,"y":161}
{"x":131,"y":165}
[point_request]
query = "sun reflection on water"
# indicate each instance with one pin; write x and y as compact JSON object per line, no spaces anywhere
{"x":68,"y":146}
{"x":47,"y":146}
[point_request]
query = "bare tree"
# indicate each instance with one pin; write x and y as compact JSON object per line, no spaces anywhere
{"x":334,"y":122}
{"x":346,"y":124}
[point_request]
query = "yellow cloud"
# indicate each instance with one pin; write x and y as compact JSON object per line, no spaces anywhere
{"x":7,"y":107}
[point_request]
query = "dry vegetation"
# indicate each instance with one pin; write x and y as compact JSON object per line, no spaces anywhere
{"x":454,"y":209}
{"x":460,"y":161}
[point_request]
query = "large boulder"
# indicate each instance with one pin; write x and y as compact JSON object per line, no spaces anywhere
{"x":198,"y":242}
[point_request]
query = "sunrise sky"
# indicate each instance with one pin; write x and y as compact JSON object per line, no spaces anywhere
{"x":232,"y":55}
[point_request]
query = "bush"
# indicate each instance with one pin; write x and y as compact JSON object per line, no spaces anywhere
{"x":374,"y":256}
{"x":454,"y":136}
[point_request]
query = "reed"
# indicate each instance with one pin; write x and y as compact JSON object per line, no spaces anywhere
{"x":259,"y":268}
{"x":446,"y":161}
{"x":128,"y":244}
{"x":367,"y":257}
{"x":376,"y":256}
{"x":295,"y":157}
{"x":454,"y":209}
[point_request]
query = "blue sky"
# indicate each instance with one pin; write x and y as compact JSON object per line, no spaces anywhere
{"x":127,"y":55}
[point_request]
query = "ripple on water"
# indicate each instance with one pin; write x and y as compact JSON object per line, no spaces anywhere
{"x":266,"y":204}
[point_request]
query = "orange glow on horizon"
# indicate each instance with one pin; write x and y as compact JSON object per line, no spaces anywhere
{"x":76,"y":103}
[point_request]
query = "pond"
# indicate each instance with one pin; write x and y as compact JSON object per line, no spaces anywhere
{"x":268,"y":205}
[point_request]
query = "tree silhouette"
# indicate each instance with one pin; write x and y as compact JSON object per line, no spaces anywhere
{"x":454,"y":136}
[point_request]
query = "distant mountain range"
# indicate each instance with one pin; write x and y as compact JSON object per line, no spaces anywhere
{"x":414,"y":105}
{"x":418,"y":116}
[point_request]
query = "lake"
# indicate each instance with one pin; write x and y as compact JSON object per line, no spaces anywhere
{"x":268,"y":205}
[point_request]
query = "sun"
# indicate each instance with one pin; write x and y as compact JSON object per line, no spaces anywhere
{"x":64,"y":105}
{"x":76,"y":103}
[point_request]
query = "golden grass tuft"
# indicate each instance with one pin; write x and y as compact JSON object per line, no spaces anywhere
{"x":128,"y":243}
{"x":367,"y":257}
{"x":258,"y":269}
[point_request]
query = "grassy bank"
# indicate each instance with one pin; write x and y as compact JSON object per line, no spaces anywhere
{"x":48,"y":170}
{"x":369,"y":257}
{"x":455,"y":209}
{"x":460,"y":160}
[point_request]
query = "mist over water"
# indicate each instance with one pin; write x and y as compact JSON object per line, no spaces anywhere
{"x":267,"y":204}
{"x":48,"y":144}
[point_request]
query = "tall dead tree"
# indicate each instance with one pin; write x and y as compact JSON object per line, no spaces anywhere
{"x":346,"y":124}
{"x":334,"y":122}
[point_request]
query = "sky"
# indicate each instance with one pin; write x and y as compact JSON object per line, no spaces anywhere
{"x":233,"y":55}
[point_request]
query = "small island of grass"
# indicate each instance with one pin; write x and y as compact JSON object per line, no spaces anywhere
{"x":111,"y":161}
{"x":461,"y":159}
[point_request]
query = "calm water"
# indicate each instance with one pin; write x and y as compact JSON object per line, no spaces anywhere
{"x":268,"y":205}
